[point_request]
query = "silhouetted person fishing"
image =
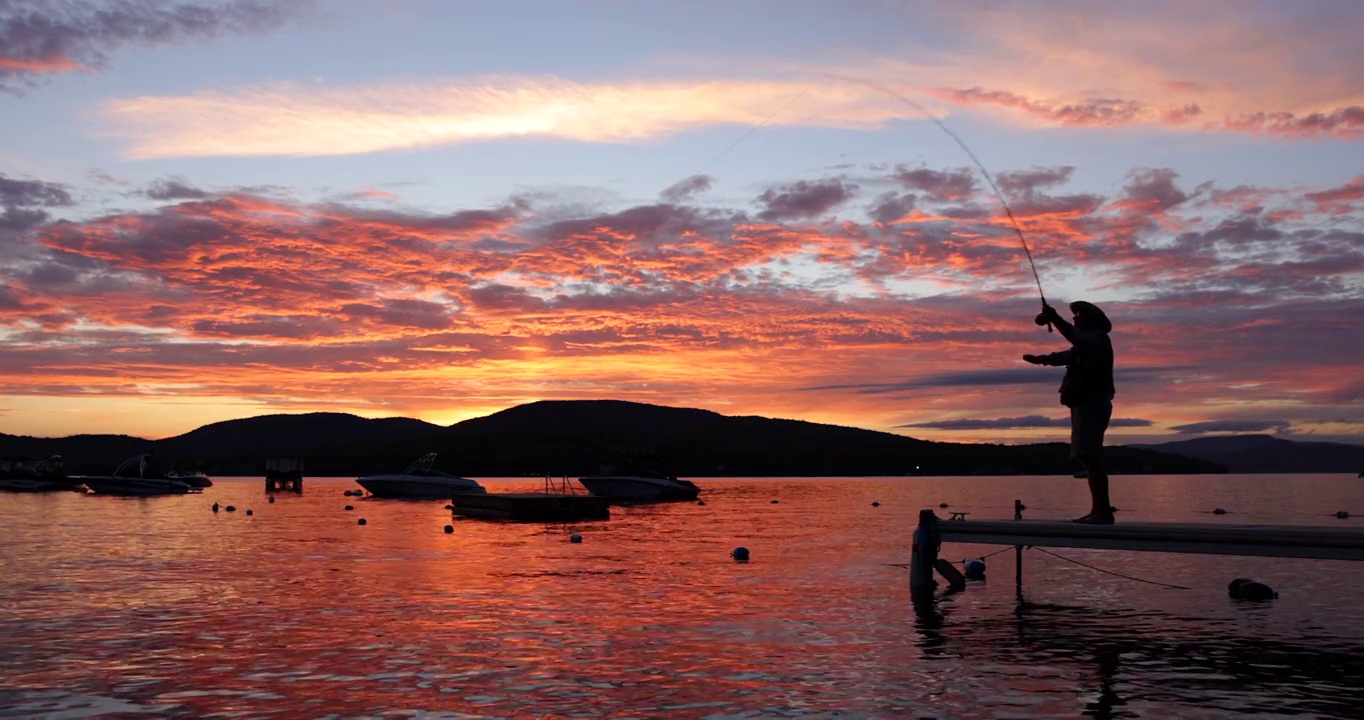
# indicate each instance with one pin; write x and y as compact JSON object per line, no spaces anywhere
{"x":1087,"y":390}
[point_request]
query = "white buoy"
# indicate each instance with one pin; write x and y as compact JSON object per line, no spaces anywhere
{"x":575,"y":538}
{"x":740,"y":554}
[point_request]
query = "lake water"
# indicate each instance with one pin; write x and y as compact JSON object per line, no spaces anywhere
{"x":119,"y":606}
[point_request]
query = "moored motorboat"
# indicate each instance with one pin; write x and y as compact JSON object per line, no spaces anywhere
{"x":420,"y":482}
{"x":640,"y":488}
{"x":119,"y":483}
{"x":25,"y":474}
{"x":643,"y":477}
{"x":196,"y":479}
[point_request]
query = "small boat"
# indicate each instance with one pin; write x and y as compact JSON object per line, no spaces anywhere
{"x":25,"y":474}
{"x":196,"y":479}
{"x":640,"y":479}
{"x":420,"y":482}
{"x":118,"y":483}
{"x":640,"y":488}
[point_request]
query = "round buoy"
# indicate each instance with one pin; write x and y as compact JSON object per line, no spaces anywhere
{"x":248,"y":512}
{"x":272,"y":499}
{"x":575,"y":538}
{"x":231,"y":508}
{"x":774,"y":501}
{"x":1247,"y":589}
{"x":1112,"y":509}
{"x":361,"y":521}
{"x":740,"y":553}
{"x":942,"y":505}
{"x":875,"y":504}
{"x":1342,"y":514}
{"x":215,"y":507}
{"x":700,"y":502}
{"x":349,"y":508}
{"x":975,"y":569}
{"x":1218,"y":511}
{"x":449,"y":529}
{"x":449,"y":507}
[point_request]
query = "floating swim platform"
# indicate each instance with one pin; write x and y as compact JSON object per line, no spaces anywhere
{"x":531,"y":507}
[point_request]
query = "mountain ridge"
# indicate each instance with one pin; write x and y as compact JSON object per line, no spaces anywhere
{"x":576,"y":437}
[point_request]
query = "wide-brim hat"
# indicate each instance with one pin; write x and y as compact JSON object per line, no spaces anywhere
{"x":1090,"y":310}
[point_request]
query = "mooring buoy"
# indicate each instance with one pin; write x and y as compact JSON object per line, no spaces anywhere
{"x":1247,"y":589}
{"x":875,"y":504}
{"x":1218,"y":511}
{"x":740,"y":553}
{"x":231,"y":508}
{"x":700,"y":502}
{"x":449,"y":529}
{"x":774,"y":501}
{"x":975,"y":569}
{"x":272,"y":499}
{"x":942,"y":505}
{"x":349,"y":508}
{"x":362,"y":522}
{"x":575,"y":538}
{"x":1342,"y":515}
{"x":215,"y":507}
{"x":248,"y":512}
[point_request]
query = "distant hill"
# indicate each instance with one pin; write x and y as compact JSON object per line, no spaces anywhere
{"x":575,"y":438}
{"x":1266,"y":454}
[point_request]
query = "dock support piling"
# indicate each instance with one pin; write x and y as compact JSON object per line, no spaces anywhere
{"x":1018,"y":556}
{"x":924,"y":555}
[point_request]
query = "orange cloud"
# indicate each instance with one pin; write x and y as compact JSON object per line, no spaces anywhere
{"x":911,"y":319}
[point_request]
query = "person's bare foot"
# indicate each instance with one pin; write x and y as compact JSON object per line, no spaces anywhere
{"x":1095,"y":518}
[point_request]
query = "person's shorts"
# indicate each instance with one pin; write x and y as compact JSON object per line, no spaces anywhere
{"x":1088,"y":422}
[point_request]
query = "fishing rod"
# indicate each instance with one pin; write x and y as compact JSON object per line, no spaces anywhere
{"x":1018,"y":230}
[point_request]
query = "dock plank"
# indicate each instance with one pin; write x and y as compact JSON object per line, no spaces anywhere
{"x":1290,"y":541}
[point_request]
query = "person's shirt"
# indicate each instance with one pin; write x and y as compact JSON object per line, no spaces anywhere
{"x":1089,"y":365}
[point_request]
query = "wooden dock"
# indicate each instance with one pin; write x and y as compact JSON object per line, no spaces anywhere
{"x":532,"y":507}
{"x":1285,"y":541}
{"x":1290,"y":541}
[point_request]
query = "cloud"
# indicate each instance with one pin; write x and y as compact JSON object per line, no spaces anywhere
{"x":957,"y":184}
{"x":1345,"y":122}
{"x":913,"y":299}
{"x":44,"y":37}
{"x":1026,"y":182}
{"x":295,"y":120}
{"x":1242,"y":426}
{"x":175,"y":189}
{"x":1101,"y":112}
{"x":686,"y":188}
{"x":1027,"y":421}
{"x":804,"y":199}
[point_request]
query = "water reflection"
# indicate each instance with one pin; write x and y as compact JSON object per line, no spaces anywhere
{"x":159,"y":605}
{"x":1150,"y":659}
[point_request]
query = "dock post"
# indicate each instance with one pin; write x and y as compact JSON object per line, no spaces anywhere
{"x":924,"y":554}
{"x":1018,"y":556}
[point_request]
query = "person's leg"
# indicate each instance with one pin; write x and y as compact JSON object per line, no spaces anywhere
{"x":1088,"y":423}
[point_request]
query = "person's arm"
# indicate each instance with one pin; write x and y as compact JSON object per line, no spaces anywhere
{"x":1062,"y":357}
{"x":1068,"y":330}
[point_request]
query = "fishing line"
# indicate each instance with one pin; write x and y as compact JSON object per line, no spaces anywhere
{"x":1018,"y":230}
{"x":751,"y":130}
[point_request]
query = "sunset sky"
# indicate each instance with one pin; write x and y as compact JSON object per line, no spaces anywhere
{"x":212,"y":210}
